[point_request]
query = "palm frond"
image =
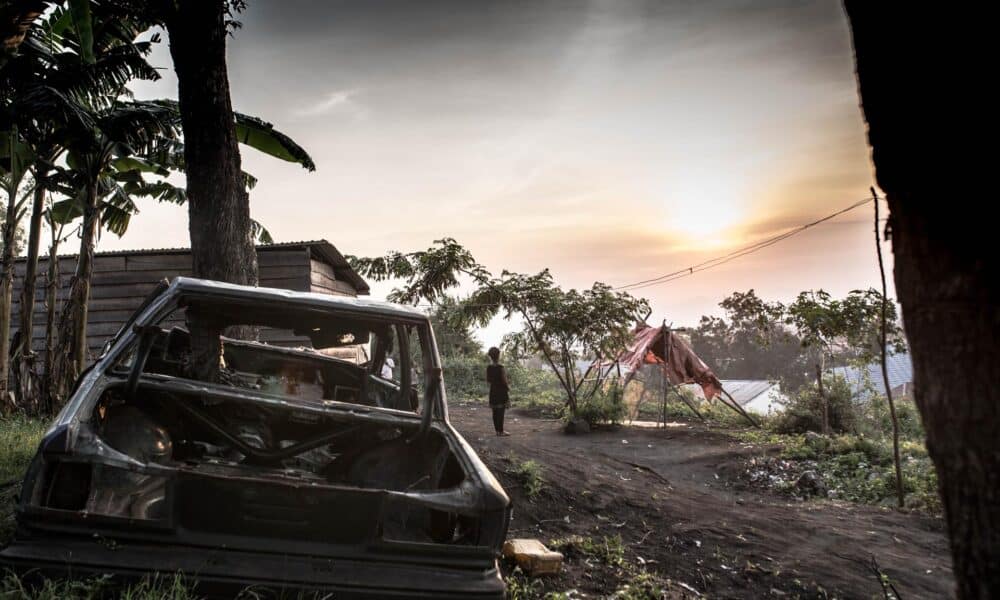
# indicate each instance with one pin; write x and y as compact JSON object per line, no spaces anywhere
{"x":259,"y":233}
{"x":261,"y":135}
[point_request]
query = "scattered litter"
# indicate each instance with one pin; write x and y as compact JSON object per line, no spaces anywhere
{"x":624,"y":441}
{"x":688,"y":588}
{"x":697,"y":543}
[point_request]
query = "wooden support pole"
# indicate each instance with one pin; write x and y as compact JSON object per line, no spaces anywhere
{"x":739,"y":409}
{"x":685,"y":401}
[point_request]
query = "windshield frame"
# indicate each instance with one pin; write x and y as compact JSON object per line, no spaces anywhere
{"x":172,"y":298}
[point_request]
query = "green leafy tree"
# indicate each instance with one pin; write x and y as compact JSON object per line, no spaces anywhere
{"x":560,"y":325}
{"x":64,"y":70}
{"x":121,"y":132}
{"x":751,"y":342}
{"x":848,"y":328}
{"x":222,"y":244}
{"x":453,"y":334}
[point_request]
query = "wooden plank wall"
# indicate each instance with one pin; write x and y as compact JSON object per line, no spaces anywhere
{"x":121,"y":283}
{"x":323,"y":280}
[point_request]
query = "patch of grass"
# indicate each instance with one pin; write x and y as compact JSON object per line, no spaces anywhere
{"x":633,"y":581}
{"x":529,"y":473}
{"x":522,"y":587}
{"x":19,"y":437}
{"x":153,"y":588}
{"x":609,"y":550}
{"x":642,"y":586}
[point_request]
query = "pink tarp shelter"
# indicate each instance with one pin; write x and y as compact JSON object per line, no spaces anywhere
{"x":661,"y":346}
{"x":678,"y":364}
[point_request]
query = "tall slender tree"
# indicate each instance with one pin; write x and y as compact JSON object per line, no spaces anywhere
{"x":53,"y":88}
{"x":121,"y":130}
{"x":218,"y":205}
{"x":15,"y":157}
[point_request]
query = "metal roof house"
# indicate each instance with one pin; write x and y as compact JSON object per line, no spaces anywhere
{"x":757,"y":396}
{"x":123,"y":279}
{"x":866,"y":382}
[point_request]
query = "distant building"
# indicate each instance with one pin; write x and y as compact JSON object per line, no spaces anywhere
{"x":123,"y":279}
{"x":866,"y":382}
{"x":757,"y":396}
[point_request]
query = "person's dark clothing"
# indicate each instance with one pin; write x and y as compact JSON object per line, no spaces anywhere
{"x":499,"y":394}
{"x":498,"y":412}
{"x":497,"y":378}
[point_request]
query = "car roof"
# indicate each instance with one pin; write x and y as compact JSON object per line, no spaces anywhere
{"x":365,"y":306}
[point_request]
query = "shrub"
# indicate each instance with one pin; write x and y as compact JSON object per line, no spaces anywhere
{"x":605,"y":406}
{"x":534,"y":387}
{"x":465,"y":377}
{"x":804,"y":412}
{"x":529,"y":473}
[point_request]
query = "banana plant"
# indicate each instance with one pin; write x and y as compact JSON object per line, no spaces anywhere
{"x":15,"y":156}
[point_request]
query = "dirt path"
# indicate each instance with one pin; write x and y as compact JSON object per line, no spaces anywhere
{"x":673,"y":497}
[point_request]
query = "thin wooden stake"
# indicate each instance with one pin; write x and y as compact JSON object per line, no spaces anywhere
{"x":885,"y":368}
{"x":739,"y":409}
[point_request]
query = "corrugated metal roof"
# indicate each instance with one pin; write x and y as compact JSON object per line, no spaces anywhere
{"x":320,"y":249}
{"x":899,"y":366}
{"x":745,"y":390}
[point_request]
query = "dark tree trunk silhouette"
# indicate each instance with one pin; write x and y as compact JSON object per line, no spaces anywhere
{"x":24,"y":367}
{"x":920,"y":78}
{"x":6,"y":291}
{"x":221,"y":244}
{"x":51,"y":300}
{"x":71,"y":348}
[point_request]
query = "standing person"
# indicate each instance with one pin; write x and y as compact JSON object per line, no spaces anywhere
{"x":496,"y":376}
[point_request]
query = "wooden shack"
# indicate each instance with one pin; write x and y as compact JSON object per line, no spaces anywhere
{"x":123,"y":279}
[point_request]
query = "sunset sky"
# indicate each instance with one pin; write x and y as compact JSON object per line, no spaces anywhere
{"x":609,"y":141}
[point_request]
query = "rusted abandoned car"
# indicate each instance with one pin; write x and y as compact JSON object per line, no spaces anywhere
{"x":319,"y":458}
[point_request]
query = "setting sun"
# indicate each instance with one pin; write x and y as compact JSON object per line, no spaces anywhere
{"x":701,"y":208}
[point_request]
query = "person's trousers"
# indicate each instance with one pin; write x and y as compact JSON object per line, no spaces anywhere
{"x":498,"y":412}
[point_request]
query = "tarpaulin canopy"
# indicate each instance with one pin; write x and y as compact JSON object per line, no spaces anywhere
{"x":660,"y":346}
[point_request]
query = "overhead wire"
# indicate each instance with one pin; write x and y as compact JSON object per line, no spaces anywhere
{"x":739,"y":253}
{"x":722,"y":259}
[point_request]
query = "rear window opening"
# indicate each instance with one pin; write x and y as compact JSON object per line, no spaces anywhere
{"x":302,"y":355}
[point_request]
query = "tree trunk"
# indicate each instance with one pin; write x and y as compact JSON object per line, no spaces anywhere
{"x":24,"y":366}
{"x":824,"y":402}
{"x":51,"y":299}
{"x":920,"y":74}
{"x":71,"y":349}
{"x":219,"y":210}
{"x":6,"y":291}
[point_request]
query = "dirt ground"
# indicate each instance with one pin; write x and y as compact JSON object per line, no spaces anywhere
{"x":674,"y":497}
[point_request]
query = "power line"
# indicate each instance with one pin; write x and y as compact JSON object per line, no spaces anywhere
{"x":720,"y":260}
